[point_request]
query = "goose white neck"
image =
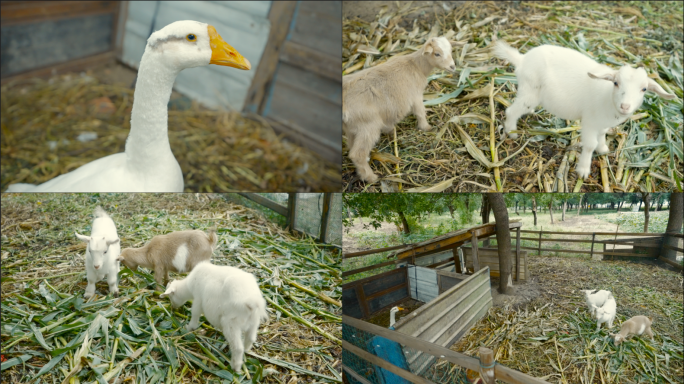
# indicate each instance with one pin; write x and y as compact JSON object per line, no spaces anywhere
{"x":393,"y":318}
{"x":148,"y":141}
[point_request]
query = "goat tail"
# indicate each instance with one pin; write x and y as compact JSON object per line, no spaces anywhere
{"x":508,"y":53}
{"x":213,"y":238}
{"x":99,"y":212}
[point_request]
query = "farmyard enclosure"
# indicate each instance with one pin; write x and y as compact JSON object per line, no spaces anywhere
{"x":541,"y":329}
{"x":50,"y":332}
{"x":463,"y":152}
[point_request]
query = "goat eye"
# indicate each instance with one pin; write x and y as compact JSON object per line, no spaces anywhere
{"x":615,"y":82}
{"x":643,"y":90}
{"x":437,"y":54}
{"x":191,"y":37}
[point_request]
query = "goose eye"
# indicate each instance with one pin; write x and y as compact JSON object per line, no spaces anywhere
{"x":437,"y":54}
{"x":191,"y":37}
{"x":615,"y":82}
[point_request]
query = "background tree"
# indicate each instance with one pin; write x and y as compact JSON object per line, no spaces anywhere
{"x":674,"y":224}
{"x":645,"y":196}
{"x":503,"y":240}
{"x":392,"y":207}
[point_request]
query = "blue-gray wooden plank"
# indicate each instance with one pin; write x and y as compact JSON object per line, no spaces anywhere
{"x":244,"y":25}
{"x":40,"y":44}
{"x":423,"y":283}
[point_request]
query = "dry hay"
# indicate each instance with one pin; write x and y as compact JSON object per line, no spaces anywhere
{"x":45,"y":320}
{"x":459,"y":154}
{"x":217,"y":150}
{"x":553,"y":337}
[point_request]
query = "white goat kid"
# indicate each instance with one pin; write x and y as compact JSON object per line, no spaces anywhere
{"x":597,"y":298}
{"x":230,"y":300}
{"x":375,"y":99}
{"x":572,"y":86}
{"x":606,"y":314}
{"x":101,"y":253}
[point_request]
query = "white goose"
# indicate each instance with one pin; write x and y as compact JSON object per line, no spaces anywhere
{"x":148,"y":165}
{"x":393,"y":315}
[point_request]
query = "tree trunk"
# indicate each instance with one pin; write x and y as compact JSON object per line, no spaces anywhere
{"x":534,"y":210}
{"x":646,"y":197}
{"x":619,"y":206}
{"x":405,"y":223}
{"x":486,"y":208}
{"x":579,"y":206}
{"x":451,"y":209}
{"x":503,"y":240}
{"x":565,"y":206}
{"x":551,"y":211}
{"x":674,"y":225}
{"x":516,"y":207}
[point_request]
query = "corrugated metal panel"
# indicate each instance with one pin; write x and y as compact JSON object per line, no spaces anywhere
{"x":422,"y":283}
{"x":446,"y":319}
{"x":244,"y":25}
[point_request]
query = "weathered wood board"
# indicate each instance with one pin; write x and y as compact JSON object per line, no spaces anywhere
{"x":490,"y":257}
{"x":448,"y":317}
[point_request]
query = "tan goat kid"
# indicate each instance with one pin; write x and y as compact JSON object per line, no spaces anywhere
{"x":375,"y":99}
{"x":177,"y":251}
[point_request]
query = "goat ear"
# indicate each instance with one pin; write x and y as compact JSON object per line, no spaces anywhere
{"x":169,"y":291}
{"x":110,"y":242}
{"x":610,"y":76}
{"x":658,"y":90}
{"x":119,"y":258}
{"x":82,"y":237}
{"x":429,"y":47}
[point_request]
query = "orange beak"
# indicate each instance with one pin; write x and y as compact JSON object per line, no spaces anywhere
{"x":400,"y":308}
{"x":223,"y":54}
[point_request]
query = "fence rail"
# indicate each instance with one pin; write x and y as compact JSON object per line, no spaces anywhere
{"x":499,"y":371}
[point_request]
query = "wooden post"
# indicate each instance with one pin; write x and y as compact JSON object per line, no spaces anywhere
{"x":487,"y":364}
{"x":457,"y":260}
{"x":361,"y":296}
{"x":517,"y":254}
{"x":291,"y":210}
{"x":593,"y":237}
{"x":280,"y":17}
{"x":540,"y":242}
{"x":324,"y":217}
{"x":476,"y":261}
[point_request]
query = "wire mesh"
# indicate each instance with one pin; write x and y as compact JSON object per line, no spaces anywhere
{"x":280,"y":198}
{"x":309,"y":209}
{"x":429,"y":367}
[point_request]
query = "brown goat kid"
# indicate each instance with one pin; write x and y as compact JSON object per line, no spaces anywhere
{"x":375,"y":99}
{"x":178,"y":251}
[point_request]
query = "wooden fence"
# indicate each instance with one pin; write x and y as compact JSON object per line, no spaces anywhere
{"x":486,"y":365}
{"x":292,"y":210}
{"x":643,"y":245}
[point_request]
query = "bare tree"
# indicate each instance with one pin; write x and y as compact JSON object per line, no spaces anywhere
{"x":486,"y":208}
{"x":674,"y":224}
{"x":645,"y":197}
{"x":503,"y":240}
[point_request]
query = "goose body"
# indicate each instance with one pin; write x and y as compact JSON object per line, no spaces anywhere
{"x":148,"y":165}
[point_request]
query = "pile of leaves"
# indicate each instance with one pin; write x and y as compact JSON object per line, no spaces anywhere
{"x":462,"y":152}
{"x":51,"y":334}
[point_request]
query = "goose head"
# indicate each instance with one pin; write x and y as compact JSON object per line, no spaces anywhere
{"x":187,"y":44}
{"x":393,"y":314}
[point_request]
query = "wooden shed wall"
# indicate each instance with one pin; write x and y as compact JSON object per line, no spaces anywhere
{"x":305,"y":96}
{"x":42,"y":38}
{"x":489,"y":257}
{"x":242,"y":24}
{"x":365,"y":297}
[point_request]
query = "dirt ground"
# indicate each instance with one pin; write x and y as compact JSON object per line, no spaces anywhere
{"x":351,"y":244}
